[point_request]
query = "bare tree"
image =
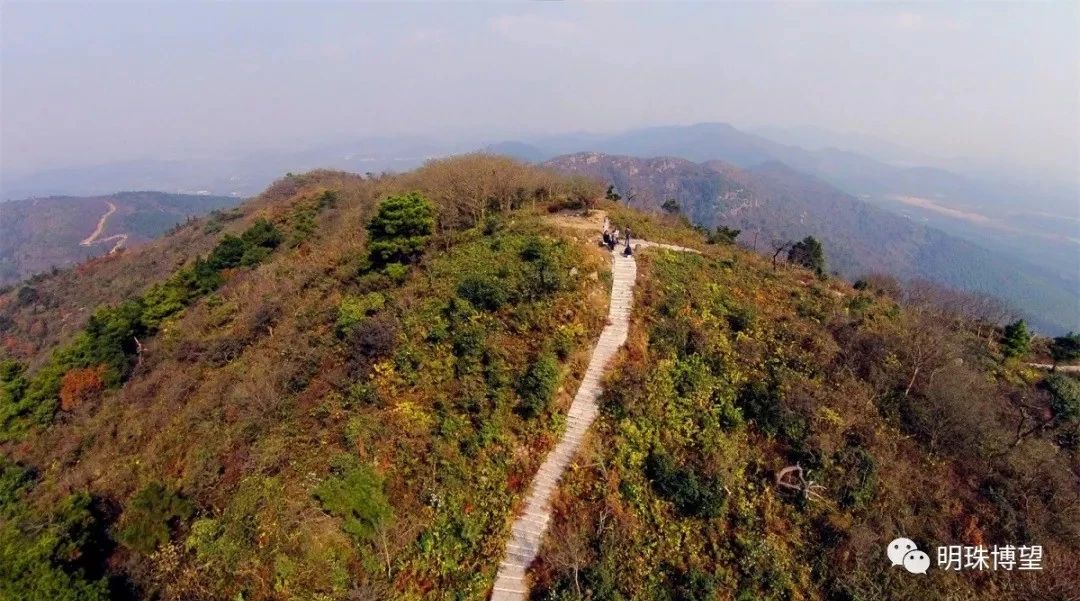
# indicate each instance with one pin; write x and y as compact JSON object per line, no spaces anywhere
{"x":779,"y":246}
{"x":568,"y":549}
{"x":794,"y":478}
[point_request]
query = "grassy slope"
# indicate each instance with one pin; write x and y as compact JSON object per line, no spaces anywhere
{"x":735,"y":371}
{"x":247,"y":402}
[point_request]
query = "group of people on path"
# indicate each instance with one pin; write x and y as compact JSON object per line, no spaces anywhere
{"x":611,"y":238}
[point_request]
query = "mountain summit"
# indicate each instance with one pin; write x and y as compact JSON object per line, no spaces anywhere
{"x":355,"y":388}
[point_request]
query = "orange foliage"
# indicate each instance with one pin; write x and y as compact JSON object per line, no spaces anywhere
{"x":81,"y":385}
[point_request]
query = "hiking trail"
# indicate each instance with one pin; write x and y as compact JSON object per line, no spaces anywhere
{"x":529,"y":527}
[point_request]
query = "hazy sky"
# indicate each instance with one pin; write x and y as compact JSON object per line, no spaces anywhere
{"x":90,"y":83}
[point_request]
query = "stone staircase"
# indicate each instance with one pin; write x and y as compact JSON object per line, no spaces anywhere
{"x":528,"y":529}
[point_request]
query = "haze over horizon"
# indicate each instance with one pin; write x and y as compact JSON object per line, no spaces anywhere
{"x":86,"y":84}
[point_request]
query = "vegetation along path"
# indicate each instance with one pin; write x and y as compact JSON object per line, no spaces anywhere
{"x":528,"y":530}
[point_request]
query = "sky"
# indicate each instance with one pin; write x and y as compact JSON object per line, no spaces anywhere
{"x":91,"y":83}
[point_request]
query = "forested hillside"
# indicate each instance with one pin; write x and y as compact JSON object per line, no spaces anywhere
{"x":773,"y":204}
{"x":342,"y":389}
{"x":40,"y":234}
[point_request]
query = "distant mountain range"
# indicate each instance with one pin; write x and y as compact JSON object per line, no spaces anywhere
{"x":40,"y":233}
{"x":240,"y":175}
{"x":773,"y":202}
{"x":1036,"y":220}
{"x":1030,"y":226}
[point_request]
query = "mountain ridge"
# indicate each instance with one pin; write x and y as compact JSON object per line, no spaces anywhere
{"x":774,"y":202}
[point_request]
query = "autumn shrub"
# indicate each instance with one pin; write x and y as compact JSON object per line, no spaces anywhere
{"x":538,"y":384}
{"x":27,"y":295}
{"x":373,"y":337}
{"x":262,"y":319}
{"x":150,"y":516}
{"x":80,"y":385}
{"x":223,"y":351}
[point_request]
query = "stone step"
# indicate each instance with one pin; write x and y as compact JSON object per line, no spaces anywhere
{"x":528,"y":529}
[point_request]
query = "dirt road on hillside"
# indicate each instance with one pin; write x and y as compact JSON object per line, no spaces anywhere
{"x":94,"y":237}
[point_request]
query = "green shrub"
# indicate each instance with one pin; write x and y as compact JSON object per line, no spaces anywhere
{"x":694,"y":585}
{"x":49,"y":556}
{"x":538,"y":384}
{"x":1064,"y":397}
{"x":396,"y":272}
{"x":262,"y":234}
{"x":400,"y":229}
{"x":722,"y":235}
{"x":543,"y":273}
{"x":740,"y":319}
{"x":760,"y":403}
{"x":354,"y":493}
{"x":808,"y":253}
{"x":150,"y":516}
{"x":861,"y":478}
{"x":353,"y":310}
{"x":691,"y":494}
{"x":484,"y":292}
{"x":533,"y":250}
{"x":228,"y":252}
{"x":1065,"y":348}
{"x":1016,"y":339}
{"x":250,"y":248}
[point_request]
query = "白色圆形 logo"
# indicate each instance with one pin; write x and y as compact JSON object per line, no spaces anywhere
{"x":904,"y":552}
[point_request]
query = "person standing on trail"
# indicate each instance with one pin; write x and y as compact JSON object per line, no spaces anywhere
{"x":613,"y":240}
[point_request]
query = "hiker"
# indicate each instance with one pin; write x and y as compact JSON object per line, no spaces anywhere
{"x":627,"y":252}
{"x":607,"y":237}
{"x":614,"y":240}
